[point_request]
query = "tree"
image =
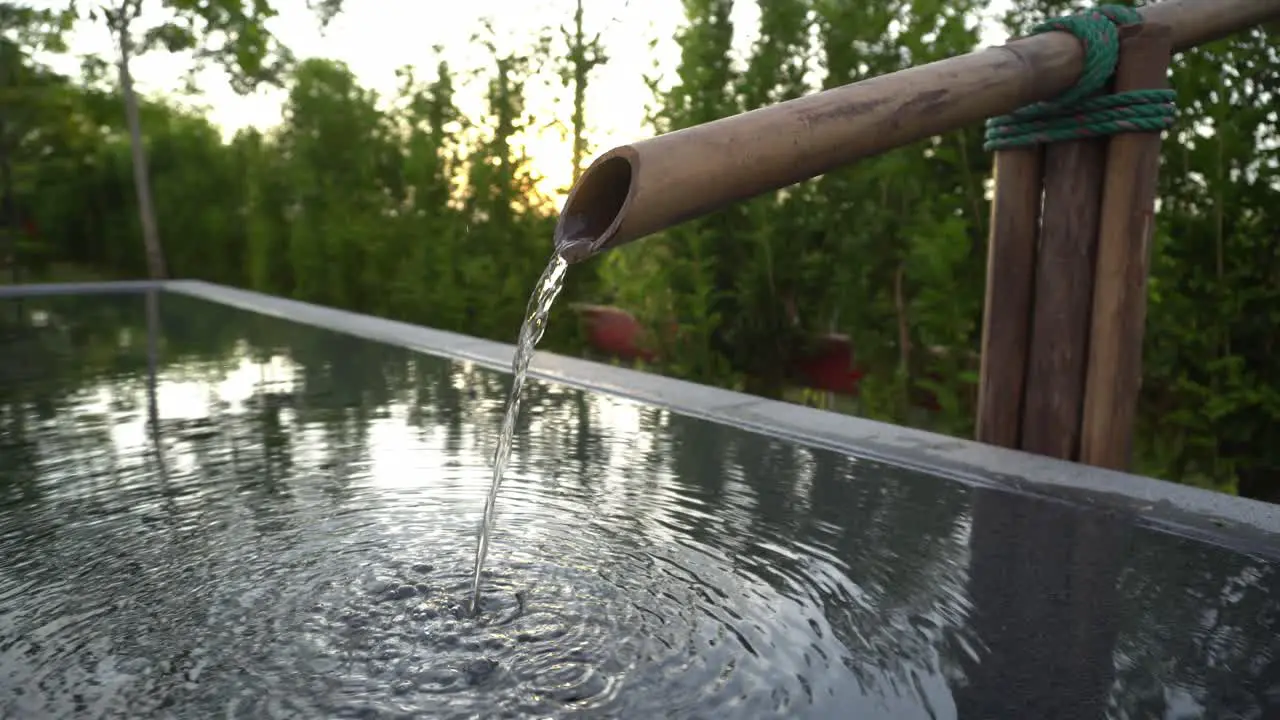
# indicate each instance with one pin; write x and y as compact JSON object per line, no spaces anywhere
{"x":585,"y":54}
{"x":232,"y":33}
{"x":28,"y":93}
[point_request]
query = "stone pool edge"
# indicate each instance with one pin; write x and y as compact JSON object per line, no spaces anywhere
{"x":1211,"y":515}
{"x":83,"y":288}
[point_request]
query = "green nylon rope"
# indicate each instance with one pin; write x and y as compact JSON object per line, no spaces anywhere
{"x":1084,"y":111}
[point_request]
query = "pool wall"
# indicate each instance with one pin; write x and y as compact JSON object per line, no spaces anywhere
{"x":1210,"y":515}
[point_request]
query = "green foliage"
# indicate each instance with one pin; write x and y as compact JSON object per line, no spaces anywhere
{"x":405,"y":207}
{"x":583,"y":55}
{"x":229,"y":33}
{"x":1212,"y":362}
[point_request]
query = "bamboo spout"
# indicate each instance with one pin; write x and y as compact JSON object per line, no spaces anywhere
{"x":635,"y":190}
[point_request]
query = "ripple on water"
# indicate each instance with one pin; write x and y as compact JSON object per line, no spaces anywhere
{"x":298,"y":544}
{"x":363,"y":613}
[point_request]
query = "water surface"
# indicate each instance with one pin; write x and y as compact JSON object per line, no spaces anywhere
{"x":293,"y":537}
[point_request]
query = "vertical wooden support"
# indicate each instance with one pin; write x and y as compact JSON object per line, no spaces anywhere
{"x":1120,"y":288}
{"x":1011,"y":259}
{"x":1063,"y":295}
{"x":1062,"y":315}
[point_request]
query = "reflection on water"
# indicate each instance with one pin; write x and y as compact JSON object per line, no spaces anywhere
{"x":288,"y":534}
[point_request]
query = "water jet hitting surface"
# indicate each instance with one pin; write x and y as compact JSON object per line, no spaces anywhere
{"x":535,"y":324}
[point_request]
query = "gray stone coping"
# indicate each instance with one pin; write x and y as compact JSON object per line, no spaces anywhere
{"x":84,"y":288}
{"x":1216,"y":517}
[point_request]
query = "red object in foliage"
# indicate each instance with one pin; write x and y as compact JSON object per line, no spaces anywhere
{"x":830,"y":366}
{"x":29,"y":229}
{"x":616,"y":332}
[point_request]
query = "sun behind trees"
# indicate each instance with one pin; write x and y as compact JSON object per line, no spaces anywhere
{"x":408,"y":208}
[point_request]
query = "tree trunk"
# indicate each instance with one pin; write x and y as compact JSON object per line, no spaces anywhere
{"x":141,"y":177}
{"x":9,"y":216}
{"x":580,"y":70}
{"x":9,"y":254}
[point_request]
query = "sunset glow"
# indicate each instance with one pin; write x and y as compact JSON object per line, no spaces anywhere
{"x":377,"y":37}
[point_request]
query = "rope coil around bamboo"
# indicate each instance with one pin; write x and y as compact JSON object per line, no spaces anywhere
{"x":1086,"y":110}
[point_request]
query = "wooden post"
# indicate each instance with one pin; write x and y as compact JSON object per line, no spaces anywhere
{"x":1114,"y":374}
{"x":1006,"y":325}
{"x":1064,"y":292}
{"x":1062,"y":313}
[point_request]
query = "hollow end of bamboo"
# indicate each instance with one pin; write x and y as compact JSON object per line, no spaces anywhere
{"x":597,"y":206}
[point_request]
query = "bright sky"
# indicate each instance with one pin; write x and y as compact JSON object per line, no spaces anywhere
{"x":376,"y":37}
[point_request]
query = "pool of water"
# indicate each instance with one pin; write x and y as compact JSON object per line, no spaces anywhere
{"x":237,"y":516}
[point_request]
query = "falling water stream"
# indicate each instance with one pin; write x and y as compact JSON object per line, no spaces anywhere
{"x":570,"y":246}
{"x":535,"y":323}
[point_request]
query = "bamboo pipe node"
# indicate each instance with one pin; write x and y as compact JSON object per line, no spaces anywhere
{"x":1085,"y":110}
